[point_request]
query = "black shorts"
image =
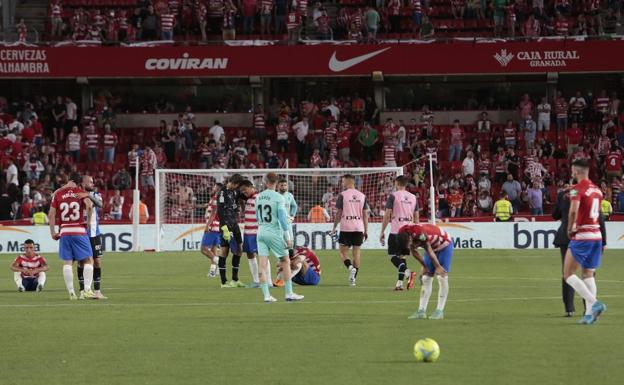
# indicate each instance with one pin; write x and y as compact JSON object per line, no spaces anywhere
{"x":235,"y":235}
{"x":96,"y":246}
{"x":394,"y":248}
{"x":351,"y":238}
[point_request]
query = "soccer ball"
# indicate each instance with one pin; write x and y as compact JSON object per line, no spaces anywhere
{"x":426,"y":350}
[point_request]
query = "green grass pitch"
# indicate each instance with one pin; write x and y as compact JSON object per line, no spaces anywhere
{"x":167,"y":323}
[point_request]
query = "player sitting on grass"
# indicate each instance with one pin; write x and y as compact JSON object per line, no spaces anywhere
{"x":273,"y":237}
{"x":438,"y":247}
{"x":585,"y":248}
{"x":305,"y":268}
{"x":29,"y":269}
{"x":211,"y":239}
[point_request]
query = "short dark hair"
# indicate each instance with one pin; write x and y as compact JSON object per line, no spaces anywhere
{"x":75,"y":177}
{"x":401,"y":180}
{"x":29,"y":242}
{"x":581,"y":163}
{"x":246,"y":183}
{"x":219,"y":185}
{"x":348,"y":176}
{"x":282,"y":180}
{"x":236,"y":179}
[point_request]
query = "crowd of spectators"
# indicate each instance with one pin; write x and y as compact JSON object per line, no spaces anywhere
{"x":42,"y":140}
{"x":361,"y":20}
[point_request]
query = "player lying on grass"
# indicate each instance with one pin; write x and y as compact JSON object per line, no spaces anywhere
{"x":29,"y":269}
{"x":585,"y":248}
{"x":438,"y":247}
{"x":305,"y":268}
{"x":273,"y":237}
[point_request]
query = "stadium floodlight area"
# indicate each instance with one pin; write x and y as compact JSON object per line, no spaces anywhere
{"x":183,"y":194}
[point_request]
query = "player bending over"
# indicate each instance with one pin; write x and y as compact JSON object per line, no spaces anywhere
{"x":211,"y":240}
{"x":438,"y":247}
{"x":291,"y":207}
{"x":585,"y":248}
{"x":29,"y":269}
{"x":273,"y":237}
{"x":352,"y":213}
{"x":95,"y":239}
{"x":305,"y":268}
{"x":231,"y":238}
{"x":401,"y":209}
{"x":70,"y":202}
{"x":250,"y":235}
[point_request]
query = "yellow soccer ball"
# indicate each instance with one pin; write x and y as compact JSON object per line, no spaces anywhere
{"x":426,"y":350}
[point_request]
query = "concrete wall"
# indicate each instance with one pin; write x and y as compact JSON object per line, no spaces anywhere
{"x":202,"y":120}
{"x":447,"y":117}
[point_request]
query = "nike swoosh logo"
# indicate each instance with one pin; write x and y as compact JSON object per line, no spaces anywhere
{"x":340,"y":65}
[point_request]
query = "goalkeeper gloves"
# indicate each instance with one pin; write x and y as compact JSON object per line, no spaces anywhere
{"x":226,"y":233}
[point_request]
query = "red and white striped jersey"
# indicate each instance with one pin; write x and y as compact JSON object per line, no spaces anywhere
{"x":330,"y":135}
{"x":416,"y":6}
{"x":250,"y":221}
{"x":167,"y":21}
{"x":562,"y":27}
{"x":212,"y":207}
{"x":92,"y":139}
{"x":509,"y":133}
{"x":132,"y":158}
{"x":282,"y":131}
{"x":266,"y":7}
{"x":258,"y":120}
{"x":389,"y":154}
{"x":589,"y":197}
{"x":435,"y":236}
{"x":602,"y":104}
{"x":110,"y":140}
{"x":310,"y":259}
{"x":35,"y":262}
{"x":148,"y":163}
{"x":302,"y":6}
{"x":433,"y":150}
{"x":484,"y":166}
{"x":293,"y":20}
{"x":69,"y":210}
{"x":57,"y":10}
{"x":73,"y":141}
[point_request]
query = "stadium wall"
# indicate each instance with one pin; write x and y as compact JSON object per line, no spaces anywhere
{"x":187,"y":237}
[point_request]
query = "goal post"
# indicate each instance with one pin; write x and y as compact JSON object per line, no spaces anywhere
{"x":181,"y":195}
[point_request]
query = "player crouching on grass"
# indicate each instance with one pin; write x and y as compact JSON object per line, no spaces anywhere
{"x":438,"y":247}
{"x":29,"y":269}
{"x":585,"y":248}
{"x":305,"y":268}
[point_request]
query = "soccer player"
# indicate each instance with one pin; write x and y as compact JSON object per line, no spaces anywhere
{"x":305,"y":267}
{"x":291,"y":207}
{"x":438,"y":247}
{"x":70,"y":201}
{"x":95,"y":238}
{"x":401,"y":209}
{"x":585,"y":248}
{"x":29,"y":269}
{"x":352,"y":212}
{"x":231,"y":238}
{"x":273,"y":237}
{"x":250,"y":235}
{"x":211,"y":239}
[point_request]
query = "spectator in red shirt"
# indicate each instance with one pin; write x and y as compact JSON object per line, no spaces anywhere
{"x":457,"y":139}
{"x":110,"y":143}
{"x":574,"y":136}
{"x":249,"y":8}
{"x":92,"y":141}
{"x":344,"y":143}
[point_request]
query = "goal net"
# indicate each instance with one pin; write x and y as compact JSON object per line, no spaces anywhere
{"x":182,"y":197}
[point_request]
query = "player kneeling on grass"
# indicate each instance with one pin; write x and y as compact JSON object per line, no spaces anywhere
{"x":273,"y":237}
{"x":585,"y":248}
{"x":29,"y":269}
{"x":305,"y":268}
{"x":438,"y":247}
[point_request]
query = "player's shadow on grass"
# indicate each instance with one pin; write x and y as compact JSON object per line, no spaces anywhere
{"x":394,"y":362}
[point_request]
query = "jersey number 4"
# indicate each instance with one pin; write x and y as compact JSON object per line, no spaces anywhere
{"x":595,"y":209}
{"x":70,"y":211}
{"x":265,"y":213}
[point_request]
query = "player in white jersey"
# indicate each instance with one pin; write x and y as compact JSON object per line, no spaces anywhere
{"x":250,"y":233}
{"x":93,"y":231}
{"x":291,"y":208}
{"x":401,"y":209}
{"x":352,"y":212}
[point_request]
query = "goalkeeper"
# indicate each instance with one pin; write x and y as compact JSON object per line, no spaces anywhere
{"x":231,"y":239}
{"x":291,"y":208}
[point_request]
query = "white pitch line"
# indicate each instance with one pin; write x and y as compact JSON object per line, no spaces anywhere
{"x":355,"y":302}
